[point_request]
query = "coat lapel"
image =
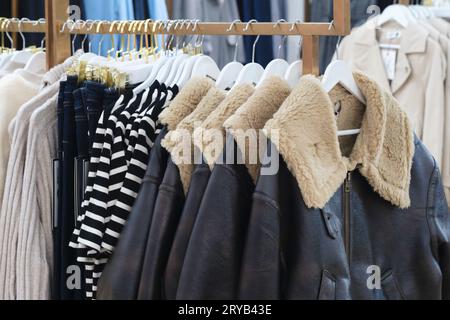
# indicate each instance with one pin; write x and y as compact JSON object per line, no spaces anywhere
{"x":402,"y":72}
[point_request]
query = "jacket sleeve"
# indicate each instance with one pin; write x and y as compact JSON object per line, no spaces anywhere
{"x":440,"y":229}
{"x":434,"y":109}
{"x":261,"y":264}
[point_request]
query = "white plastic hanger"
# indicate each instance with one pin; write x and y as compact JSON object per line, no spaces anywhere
{"x":294,"y":73}
{"x":252,"y":72}
{"x":295,"y":70}
{"x":398,"y":13}
{"x":231,"y":71}
{"x":339,"y":72}
{"x":277,"y":67}
{"x":6,"y":57}
{"x":24,"y":55}
{"x":87,"y":55}
{"x":166,"y":69}
{"x":38,"y":62}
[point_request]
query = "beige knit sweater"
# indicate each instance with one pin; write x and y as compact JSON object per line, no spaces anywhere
{"x":25,"y":217}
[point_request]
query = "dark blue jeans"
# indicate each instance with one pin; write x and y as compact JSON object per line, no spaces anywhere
{"x":70,"y":273}
{"x":94,"y":106}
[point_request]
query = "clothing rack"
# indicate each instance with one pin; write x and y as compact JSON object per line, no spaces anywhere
{"x":58,"y":38}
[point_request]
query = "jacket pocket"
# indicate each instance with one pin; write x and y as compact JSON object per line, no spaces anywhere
{"x":390,"y":287}
{"x":327,"y":286}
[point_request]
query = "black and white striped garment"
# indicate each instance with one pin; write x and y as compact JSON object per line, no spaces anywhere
{"x":148,"y":130}
{"x":108,"y":180}
{"x":90,"y":256}
{"x":145,"y":105}
{"x":97,"y":148}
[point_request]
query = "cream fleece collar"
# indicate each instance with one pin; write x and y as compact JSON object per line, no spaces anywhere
{"x":205,"y":137}
{"x":308,"y":141}
{"x":185,"y":102}
{"x":181,"y":139}
{"x":251,"y":117}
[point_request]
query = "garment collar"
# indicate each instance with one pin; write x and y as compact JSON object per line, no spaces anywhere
{"x":308,"y":141}
{"x":414,"y":38}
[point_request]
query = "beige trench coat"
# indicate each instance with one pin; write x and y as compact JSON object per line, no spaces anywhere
{"x":420,"y":74}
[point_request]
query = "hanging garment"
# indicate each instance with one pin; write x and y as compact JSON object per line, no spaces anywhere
{"x":119,"y":177}
{"x":340,"y":210}
{"x":221,"y":49}
{"x":212,"y":127}
{"x":261,"y":11}
{"x":141,"y":9}
{"x":278,"y":10}
{"x":444,"y":28}
{"x":418,"y":82}
{"x":28,"y":252}
{"x":120,"y":279}
{"x":295,"y":11}
{"x":322,"y":11}
{"x":19,"y":87}
{"x":211,"y":266}
{"x":107,"y":10}
{"x":158,"y":10}
{"x":171,"y":196}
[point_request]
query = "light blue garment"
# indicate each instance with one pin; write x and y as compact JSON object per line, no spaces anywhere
{"x":107,"y":10}
{"x":158,"y":11}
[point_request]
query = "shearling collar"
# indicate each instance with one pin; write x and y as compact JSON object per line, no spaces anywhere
{"x":185,"y":102}
{"x":205,"y":137}
{"x":307,"y":129}
{"x":251,"y":117}
{"x":175,"y":141}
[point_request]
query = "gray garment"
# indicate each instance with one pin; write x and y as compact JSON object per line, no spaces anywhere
{"x":322,"y":11}
{"x":295,"y":11}
{"x":278,"y":10}
{"x":221,"y":49}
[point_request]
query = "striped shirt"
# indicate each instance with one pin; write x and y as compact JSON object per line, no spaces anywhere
{"x":118,"y":163}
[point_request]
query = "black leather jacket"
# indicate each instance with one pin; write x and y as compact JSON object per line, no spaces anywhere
{"x":122,"y":275}
{"x":359,"y":217}
{"x":365,"y":249}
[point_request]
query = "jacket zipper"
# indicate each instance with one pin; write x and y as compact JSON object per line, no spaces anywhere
{"x":347,"y":190}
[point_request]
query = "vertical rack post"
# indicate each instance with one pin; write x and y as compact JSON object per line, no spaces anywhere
{"x":311,"y":55}
{"x":58,"y":44}
{"x":311,"y":43}
{"x":15,"y":14}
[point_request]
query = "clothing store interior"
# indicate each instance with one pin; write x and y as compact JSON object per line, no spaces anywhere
{"x":260,"y":150}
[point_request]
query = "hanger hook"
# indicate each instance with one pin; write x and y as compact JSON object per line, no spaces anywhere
{"x":98,"y":31}
{"x":278,"y":23}
{"x":91,"y":25}
{"x":39,"y":21}
{"x":7,"y":23}
{"x":20,"y":21}
{"x":331,"y":26}
{"x":75,"y":25}
{"x":196,"y":22}
{"x":295,"y":25}
{"x":247,"y":27}
{"x":237,"y":41}
{"x":233,"y":24}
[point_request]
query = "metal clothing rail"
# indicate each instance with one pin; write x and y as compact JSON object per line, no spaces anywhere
{"x":58,"y":38}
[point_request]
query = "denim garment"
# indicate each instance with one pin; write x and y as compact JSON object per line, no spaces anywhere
{"x":94,"y":106}
{"x":68,"y":264}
